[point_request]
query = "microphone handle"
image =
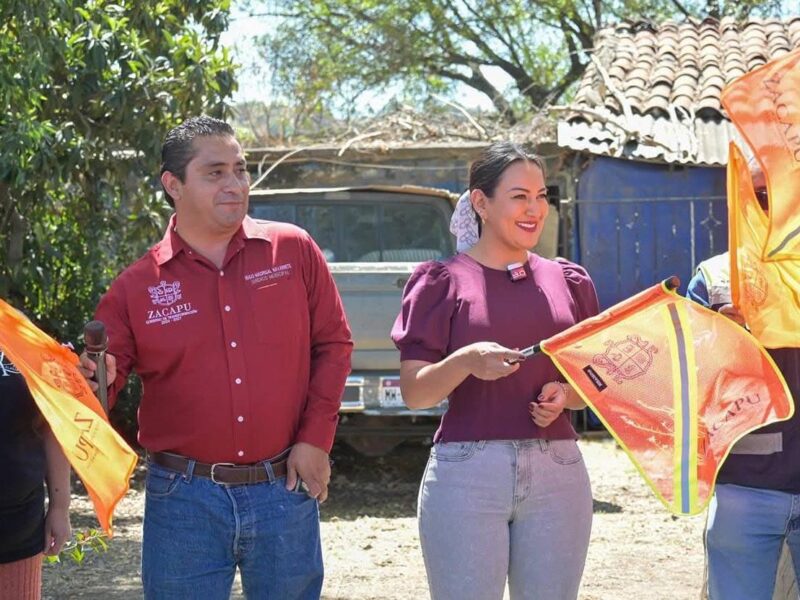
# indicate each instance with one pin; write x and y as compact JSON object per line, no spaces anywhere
{"x":101,"y":377}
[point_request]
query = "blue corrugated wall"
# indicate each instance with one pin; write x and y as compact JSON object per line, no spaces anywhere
{"x":636,"y":223}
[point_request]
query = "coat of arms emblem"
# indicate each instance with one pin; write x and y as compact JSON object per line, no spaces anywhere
{"x":59,"y":377}
{"x":165,"y":294}
{"x":626,"y":359}
{"x":753,"y":280}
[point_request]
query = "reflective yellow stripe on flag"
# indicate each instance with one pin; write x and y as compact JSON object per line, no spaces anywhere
{"x":636,"y":366}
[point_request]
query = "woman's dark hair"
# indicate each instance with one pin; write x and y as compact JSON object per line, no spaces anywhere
{"x":178,"y":148}
{"x":486,"y":170}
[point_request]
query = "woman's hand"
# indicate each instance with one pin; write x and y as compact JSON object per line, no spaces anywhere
{"x":550,"y":404}
{"x":489,"y":361}
{"x":57,"y":530}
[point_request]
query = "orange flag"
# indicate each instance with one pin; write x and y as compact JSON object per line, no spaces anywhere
{"x":765,"y":250}
{"x":100,"y":457}
{"x":765,"y":106}
{"x":676,"y":384}
{"x":766,"y":290}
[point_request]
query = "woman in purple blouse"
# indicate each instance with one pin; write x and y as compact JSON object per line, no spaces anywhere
{"x":505,"y":494}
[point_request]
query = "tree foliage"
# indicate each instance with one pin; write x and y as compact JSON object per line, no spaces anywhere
{"x":332,"y":52}
{"x":88,"y":90}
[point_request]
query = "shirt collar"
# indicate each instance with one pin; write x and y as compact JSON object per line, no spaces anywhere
{"x":172,"y":244}
{"x":254,"y":229}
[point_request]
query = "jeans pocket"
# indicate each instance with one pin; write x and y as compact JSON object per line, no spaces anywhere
{"x":297,"y":492}
{"x":159,"y":482}
{"x":565,"y":452}
{"x":453,"y":451}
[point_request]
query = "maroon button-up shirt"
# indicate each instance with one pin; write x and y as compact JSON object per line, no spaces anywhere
{"x":237,"y":363}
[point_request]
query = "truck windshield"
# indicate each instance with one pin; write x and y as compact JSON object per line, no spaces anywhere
{"x":367,"y":231}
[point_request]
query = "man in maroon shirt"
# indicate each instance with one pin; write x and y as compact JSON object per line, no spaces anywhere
{"x":238,"y":333}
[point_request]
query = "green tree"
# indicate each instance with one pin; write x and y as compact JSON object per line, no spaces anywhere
{"x":88,"y":89}
{"x":330,"y":52}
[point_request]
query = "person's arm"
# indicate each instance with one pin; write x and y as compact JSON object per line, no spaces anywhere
{"x":697,"y":290}
{"x":556,"y":396}
{"x":57,"y":528}
{"x":331,"y":347}
{"x":424,"y":384}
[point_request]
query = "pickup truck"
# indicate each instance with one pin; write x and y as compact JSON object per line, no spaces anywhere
{"x":373,"y":237}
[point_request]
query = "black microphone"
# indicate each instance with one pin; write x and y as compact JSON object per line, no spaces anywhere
{"x":96,"y":341}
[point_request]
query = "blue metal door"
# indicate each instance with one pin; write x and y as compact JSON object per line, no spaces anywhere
{"x":636,"y":223}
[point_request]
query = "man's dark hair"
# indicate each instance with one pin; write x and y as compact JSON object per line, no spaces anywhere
{"x":178,"y":148}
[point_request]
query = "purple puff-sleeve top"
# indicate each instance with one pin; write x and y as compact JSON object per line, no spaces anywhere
{"x":453,"y":303}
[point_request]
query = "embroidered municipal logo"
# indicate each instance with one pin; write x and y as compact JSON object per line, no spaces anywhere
{"x":165,"y":294}
{"x":271,"y":275}
{"x":626,"y":359}
{"x":165,"y":298}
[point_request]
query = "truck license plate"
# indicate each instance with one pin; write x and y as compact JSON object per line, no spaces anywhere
{"x":389,"y":395}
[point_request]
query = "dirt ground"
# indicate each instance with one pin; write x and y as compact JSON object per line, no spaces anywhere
{"x":638,"y":551}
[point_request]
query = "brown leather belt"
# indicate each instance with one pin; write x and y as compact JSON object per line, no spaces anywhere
{"x":226,"y":473}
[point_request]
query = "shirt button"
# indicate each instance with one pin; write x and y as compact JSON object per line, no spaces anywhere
{"x":240,"y":419}
{"x":227,"y":308}
{"x":238,"y":380}
{"x":241,"y":452}
{"x":233,"y":344}
{"x":222,"y":273}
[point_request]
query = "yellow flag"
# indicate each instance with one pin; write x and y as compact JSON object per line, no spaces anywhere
{"x":765,"y":249}
{"x":100,"y":457}
{"x":676,"y":384}
{"x":766,"y":290}
{"x":765,"y":106}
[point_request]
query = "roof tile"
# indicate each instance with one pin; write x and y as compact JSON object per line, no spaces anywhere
{"x":693,"y":59}
{"x":670,"y":76}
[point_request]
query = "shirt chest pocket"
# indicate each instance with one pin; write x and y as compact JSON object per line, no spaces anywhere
{"x":280,"y":311}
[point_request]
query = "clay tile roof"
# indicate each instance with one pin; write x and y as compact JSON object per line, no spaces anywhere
{"x":691,"y":58}
{"x":673,"y":72}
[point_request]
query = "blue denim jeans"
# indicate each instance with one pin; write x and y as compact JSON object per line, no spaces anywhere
{"x":197,"y":532}
{"x":494,"y":510}
{"x":744,"y":538}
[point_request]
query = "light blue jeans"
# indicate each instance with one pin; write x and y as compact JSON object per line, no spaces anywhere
{"x":494,"y":510}
{"x":196,"y":533}
{"x":744,"y":538}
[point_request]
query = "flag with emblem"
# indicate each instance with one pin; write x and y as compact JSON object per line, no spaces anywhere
{"x":765,"y":248}
{"x":766,"y":290}
{"x":100,"y":457}
{"x":676,"y":384}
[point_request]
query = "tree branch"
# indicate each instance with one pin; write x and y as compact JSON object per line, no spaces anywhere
{"x":681,"y":9}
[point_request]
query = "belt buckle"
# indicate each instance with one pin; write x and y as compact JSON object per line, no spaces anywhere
{"x":220,"y":464}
